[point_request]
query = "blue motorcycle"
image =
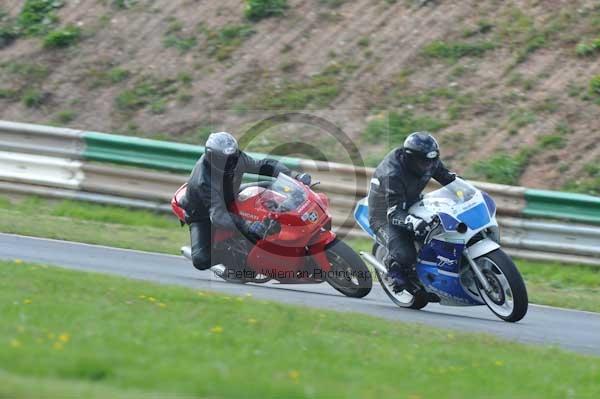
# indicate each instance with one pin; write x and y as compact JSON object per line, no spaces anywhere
{"x":460,"y":262}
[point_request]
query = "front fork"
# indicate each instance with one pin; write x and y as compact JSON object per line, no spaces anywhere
{"x":477,"y":271}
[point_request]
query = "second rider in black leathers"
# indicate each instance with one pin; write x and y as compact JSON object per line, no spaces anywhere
{"x":397,"y":184}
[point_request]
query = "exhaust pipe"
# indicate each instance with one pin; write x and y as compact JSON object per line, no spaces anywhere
{"x":373,"y":262}
{"x":186,"y":252}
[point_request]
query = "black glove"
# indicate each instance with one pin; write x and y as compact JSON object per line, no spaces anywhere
{"x":303,"y":178}
{"x":418,"y":226}
{"x":256,"y":230}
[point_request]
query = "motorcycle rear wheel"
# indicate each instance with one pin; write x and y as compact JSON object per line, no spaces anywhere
{"x":403,"y":299}
{"x":349,"y":274}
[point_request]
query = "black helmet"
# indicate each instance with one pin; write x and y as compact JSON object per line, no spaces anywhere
{"x":422,"y":152}
{"x":222,"y":151}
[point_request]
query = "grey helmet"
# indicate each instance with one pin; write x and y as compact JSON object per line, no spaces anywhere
{"x":222,"y":151}
{"x":421,"y":152}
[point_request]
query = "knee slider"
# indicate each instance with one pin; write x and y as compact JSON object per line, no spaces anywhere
{"x":201,"y":261}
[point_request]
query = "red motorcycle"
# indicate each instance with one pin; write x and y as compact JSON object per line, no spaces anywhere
{"x":299,"y":247}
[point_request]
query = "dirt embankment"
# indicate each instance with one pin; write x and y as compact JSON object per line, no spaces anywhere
{"x":495,"y":77}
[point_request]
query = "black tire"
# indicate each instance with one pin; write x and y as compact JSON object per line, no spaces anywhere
{"x":419,"y":299}
{"x":518,"y":291}
{"x":349,"y":274}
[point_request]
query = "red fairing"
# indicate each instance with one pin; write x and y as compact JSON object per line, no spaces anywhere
{"x":177,"y":210}
{"x":304,"y":221}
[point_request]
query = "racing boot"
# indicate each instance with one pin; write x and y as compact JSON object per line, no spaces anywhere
{"x":397,"y":276}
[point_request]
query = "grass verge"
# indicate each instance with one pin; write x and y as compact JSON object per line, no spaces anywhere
{"x":65,"y":332}
{"x":568,"y":286}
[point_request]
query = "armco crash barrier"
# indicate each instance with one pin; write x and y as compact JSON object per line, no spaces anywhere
{"x":67,"y":163}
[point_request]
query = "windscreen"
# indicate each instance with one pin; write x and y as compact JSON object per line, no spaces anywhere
{"x":456,"y":193}
{"x":284,"y":195}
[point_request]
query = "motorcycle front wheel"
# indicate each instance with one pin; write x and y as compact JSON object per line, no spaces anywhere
{"x":348,"y":274}
{"x":507,"y":297}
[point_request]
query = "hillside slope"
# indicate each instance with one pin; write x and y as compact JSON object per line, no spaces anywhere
{"x":512,"y":88}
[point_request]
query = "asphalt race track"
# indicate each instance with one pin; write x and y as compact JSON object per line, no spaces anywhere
{"x":574,"y":330}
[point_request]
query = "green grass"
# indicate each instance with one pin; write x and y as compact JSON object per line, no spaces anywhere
{"x":65,"y":331}
{"x":64,"y":117}
{"x":586,"y":49}
{"x":9,"y":31}
{"x":588,"y":182}
{"x":221,"y":43}
{"x":566,"y":286}
{"x":551,"y":141}
{"x":94,"y":224}
{"x":392,"y":128}
{"x":502,"y":168}
{"x":595,"y":88}
{"x":255,"y":10}
{"x":31,"y":72}
{"x":33,"y":98}
{"x":456,"y":50}
{"x":105,"y":78}
{"x":38,"y":17}
{"x":180,"y":42}
{"x":548,"y":283}
{"x":147,"y":91}
{"x":317,"y":91}
{"x":62,"y":38}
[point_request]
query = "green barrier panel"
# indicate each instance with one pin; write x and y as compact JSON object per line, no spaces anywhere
{"x":136,"y":151}
{"x":155,"y":154}
{"x":555,"y":204}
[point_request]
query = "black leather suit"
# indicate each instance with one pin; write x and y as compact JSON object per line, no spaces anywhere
{"x":209,"y":191}
{"x":393,"y":190}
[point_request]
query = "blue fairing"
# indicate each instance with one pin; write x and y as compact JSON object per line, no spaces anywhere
{"x":448,"y":221}
{"x":475,"y":217}
{"x":438,"y":268}
{"x":491,"y":205}
{"x":361,"y":215}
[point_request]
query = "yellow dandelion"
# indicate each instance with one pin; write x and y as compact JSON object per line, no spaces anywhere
{"x":15,"y":343}
{"x":162,"y":305}
{"x":18,"y":261}
{"x":499,"y":363}
{"x":216,"y":330}
{"x":64,"y":337}
{"x":294,"y":375}
{"x":142,"y":297}
{"x":27,"y":301}
{"x":252,"y":321}
{"x":151,"y":299}
{"x":57,"y":346}
{"x":200,"y":293}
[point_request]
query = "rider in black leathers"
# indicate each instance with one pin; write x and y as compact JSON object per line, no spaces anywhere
{"x":396,"y":185}
{"x":213,"y":184}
